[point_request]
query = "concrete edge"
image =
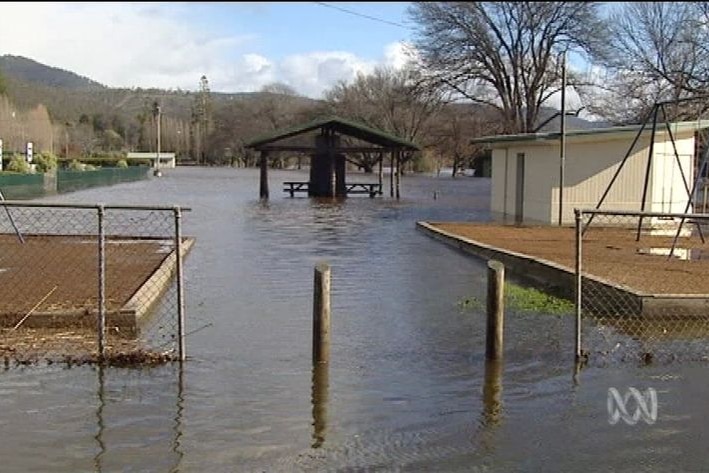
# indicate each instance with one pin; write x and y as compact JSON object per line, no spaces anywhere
{"x":562,"y":279}
{"x":150,"y":291}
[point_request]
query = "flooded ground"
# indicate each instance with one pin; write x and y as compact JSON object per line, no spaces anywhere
{"x":406,"y":387}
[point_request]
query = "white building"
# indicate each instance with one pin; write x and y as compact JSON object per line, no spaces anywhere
{"x":526,"y":171}
{"x":167,"y":160}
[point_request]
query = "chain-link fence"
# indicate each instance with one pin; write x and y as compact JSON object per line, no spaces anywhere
{"x":91,"y":283}
{"x":642,"y":286}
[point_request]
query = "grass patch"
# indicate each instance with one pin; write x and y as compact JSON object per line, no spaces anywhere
{"x":523,"y":299}
{"x":527,"y":299}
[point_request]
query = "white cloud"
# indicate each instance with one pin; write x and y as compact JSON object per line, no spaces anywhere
{"x":115,"y":44}
{"x":138,"y":45}
{"x":398,"y":54}
{"x":311,"y":73}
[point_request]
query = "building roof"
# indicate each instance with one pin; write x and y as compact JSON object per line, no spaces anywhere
{"x":549,"y":121}
{"x":595,"y":133}
{"x":339,"y":125}
{"x":151,"y":154}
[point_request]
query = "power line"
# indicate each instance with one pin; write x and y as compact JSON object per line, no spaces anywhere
{"x":362,"y":15}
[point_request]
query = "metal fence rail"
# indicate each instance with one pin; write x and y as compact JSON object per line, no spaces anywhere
{"x":642,"y":286}
{"x":91,"y":282}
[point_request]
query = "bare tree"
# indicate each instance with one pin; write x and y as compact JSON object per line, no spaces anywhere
{"x":278,"y":105}
{"x":660,"y":52}
{"x":504,"y":54}
{"x":3,"y":84}
{"x":452,"y":130}
{"x":39,"y":128}
{"x":395,"y":101}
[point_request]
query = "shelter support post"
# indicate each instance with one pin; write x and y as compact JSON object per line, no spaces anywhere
{"x":340,"y":175}
{"x":381,"y":172}
{"x":263,"y":187}
{"x":398,"y":174}
{"x":391,"y":175}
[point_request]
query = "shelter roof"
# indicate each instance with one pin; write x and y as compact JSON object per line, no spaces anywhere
{"x":353,"y":129}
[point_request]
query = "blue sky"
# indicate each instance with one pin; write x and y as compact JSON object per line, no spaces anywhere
{"x":239,"y":46}
{"x":285,"y":28}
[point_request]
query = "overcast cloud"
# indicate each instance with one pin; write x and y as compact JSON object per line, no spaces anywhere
{"x":134,"y":45}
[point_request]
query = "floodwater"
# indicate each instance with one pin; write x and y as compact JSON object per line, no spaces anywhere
{"x":407,"y":388}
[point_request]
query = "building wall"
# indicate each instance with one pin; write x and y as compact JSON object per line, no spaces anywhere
{"x":498,"y":193}
{"x":669,"y":193}
{"x":590,"y":166}
{"x":167,"y":160}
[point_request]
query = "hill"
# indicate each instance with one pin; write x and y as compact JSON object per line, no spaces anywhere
{"x":68,"y":96}
{"x":27,"y":70}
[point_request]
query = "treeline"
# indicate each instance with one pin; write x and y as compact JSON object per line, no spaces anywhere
{"x":211,"y":129}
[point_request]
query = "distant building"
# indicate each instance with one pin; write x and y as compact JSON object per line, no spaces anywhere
{"x":167,"y":160}
{"x":525,"y":171}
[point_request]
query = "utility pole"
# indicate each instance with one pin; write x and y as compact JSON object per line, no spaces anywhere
{"x":562,"y":144}
{"x":157,"y":113}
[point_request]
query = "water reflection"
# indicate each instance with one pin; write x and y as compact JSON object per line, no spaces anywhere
{"x":99,"y":419}
{"x":114,"y":407}
{"x":177,"y":427}
{"x":675,"y":326}
{"x":677,"y":253}
{"x":492,"y":394}
{"x":321,"y":380}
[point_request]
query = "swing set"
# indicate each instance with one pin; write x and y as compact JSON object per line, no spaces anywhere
{"x":653,"y":117}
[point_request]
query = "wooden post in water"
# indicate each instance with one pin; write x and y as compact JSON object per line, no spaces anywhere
{"x":319,"y":400}
{"x":492,"y":393}
{"x":321,"y":314}
{"x":263,"y":188}
{"x":495,"y":310}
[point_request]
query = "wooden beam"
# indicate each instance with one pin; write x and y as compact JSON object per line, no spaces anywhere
{"x":312,"y":149}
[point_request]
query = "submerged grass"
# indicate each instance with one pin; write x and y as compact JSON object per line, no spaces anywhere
{"x":524,"y":299}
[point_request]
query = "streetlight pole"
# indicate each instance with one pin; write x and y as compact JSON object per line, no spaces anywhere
{"x":157,"y":112}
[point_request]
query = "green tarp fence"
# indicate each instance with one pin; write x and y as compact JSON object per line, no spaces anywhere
{"x":29,"y":186}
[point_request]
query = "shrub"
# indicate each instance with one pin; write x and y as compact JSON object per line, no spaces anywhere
{"x":122,"y":163}
{"x":18,"y":164}
{"x":45,"y":162}
{"x":423,"y":162}
{"x":75,"y":165}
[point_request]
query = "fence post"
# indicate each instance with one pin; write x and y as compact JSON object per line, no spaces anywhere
{"x":579,"y":236}
{"x":101,"y":284}
{"x":180,"y":284}
{"x":495,"y":310}
{"x":321,"y":314}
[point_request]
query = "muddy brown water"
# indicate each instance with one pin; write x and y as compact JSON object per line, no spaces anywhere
{"x":405,"y":390}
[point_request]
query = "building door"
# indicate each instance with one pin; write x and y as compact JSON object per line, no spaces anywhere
{"x":519,"y":194}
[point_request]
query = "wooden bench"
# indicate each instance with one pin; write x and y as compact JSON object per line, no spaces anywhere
{"x":370,"y":188}
{"x":293,"y":187}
